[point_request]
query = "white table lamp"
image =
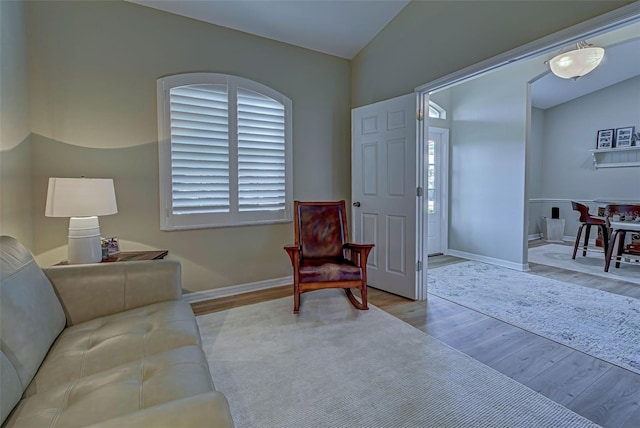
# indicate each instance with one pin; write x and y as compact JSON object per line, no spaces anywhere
{"x":82,"y":200}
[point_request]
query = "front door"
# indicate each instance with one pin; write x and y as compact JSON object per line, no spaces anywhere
{"x":384,"y":192}
{"x":436,"y":189}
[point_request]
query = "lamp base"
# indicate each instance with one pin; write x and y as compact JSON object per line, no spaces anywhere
{"x":84,"y":240}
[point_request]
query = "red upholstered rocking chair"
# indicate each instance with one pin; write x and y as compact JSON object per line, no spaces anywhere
{"x":321,"y":257}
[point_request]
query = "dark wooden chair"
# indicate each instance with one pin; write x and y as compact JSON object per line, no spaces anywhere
{"x":322,"y":257}
{"x":620,"y":233}
{"x":586,"y":221}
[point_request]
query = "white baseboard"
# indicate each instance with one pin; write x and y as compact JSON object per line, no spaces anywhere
{"x":524,"y":267}
{"x":216,"y":293}
{"x":534,"y":236}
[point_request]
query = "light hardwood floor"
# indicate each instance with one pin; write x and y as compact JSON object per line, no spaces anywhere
{"x":602,"y":392}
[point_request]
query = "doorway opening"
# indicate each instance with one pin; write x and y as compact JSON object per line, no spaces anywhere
{"x":436,"y":189}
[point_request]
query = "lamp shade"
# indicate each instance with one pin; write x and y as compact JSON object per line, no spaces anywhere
{"x":80,"y":197}
{"x":576,"y":63}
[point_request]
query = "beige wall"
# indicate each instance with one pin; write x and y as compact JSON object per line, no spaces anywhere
{"x":15,"y":146}
{"x":430,"y":39}
{"x":93,"y":101}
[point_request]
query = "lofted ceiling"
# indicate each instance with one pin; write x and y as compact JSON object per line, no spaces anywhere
{"x":343,"y":27}
{"x":621,"y":62}
{"x":336,"y":27}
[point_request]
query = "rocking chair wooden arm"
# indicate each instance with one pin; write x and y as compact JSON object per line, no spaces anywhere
{"x":294,"y":253}
{"x":362,"y":251}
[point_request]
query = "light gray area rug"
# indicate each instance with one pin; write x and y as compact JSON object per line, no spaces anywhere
{"x":334,"y":366}
{"x":601,"y":324}
{"x":560,"y":256}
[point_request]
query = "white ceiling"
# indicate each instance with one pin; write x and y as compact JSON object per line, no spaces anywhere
{"x":336,"y":27}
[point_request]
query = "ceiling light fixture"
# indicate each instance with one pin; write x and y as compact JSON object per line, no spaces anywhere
{"x":578,"y":62}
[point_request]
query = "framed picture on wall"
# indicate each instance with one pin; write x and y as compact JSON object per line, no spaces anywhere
{"x":605,"y":139}
{"x":624,"y":136}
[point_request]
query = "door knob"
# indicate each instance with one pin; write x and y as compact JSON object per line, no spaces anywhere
{"x":356,"y":204}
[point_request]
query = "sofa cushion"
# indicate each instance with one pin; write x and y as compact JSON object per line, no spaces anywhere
{"x":11,"y":386}
{"x":101,"y":344}
{"x":121,"y":390}
{"x":31,"y":316}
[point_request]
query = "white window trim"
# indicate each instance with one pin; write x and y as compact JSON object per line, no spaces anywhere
{"x":171,"y":222}
{"x":441,"y":113}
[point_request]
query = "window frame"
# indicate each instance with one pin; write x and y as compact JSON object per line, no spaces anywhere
{"x":441,"y":113}
{"x":235,"y":217}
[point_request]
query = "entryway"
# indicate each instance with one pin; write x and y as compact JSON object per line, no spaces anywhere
{"x":436,"y":185}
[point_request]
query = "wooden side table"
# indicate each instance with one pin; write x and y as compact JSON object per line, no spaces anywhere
{"x":131,"y":256}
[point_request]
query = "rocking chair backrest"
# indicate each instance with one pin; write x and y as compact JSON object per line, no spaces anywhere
{"x":320,"y":228}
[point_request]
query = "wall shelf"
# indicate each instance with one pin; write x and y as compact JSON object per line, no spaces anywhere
{"x":616,"y":157}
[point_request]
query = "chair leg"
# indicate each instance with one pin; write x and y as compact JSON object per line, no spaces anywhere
{"x":587,"y":232}
{"x":296,"y":299}
{"x":363,"y":291}
{"x":611,"y":246}
{"x":608,"y":254}
{"x":605,"y":239}
{"x":623,"y":235}
{"x":575,"y":247}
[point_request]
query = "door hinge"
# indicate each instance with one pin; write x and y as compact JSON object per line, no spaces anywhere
{"x":420,"y":115}
{"x":419,"y":266}
{"x":419,"y":191}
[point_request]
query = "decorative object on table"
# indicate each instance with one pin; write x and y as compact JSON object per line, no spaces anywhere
{"x":112,"y":245}
{"x":576,"y":62}
{"x":635,"y":139}
{"x":82,"y":200}
{"x":105,"y":249}
{"x":624,"y":136}
{"x":605,"y":139}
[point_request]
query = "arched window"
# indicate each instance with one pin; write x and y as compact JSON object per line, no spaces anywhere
{"x":436,"y":111}
{"x":224,"y":152}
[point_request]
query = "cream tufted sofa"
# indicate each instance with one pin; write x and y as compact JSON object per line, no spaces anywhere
{"x":100,"y":345}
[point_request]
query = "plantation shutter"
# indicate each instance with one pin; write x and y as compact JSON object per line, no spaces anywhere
{"x":261,"y":152}
{"x":199,"y":149}
{"x":224,"y":150}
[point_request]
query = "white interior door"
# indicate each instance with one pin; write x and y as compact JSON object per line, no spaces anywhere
{"x":384,"y":193}
{"x":436,"y":161}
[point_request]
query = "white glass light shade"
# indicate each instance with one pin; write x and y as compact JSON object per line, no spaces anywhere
{"x":82,"y":200}
{"x":576,"y":63}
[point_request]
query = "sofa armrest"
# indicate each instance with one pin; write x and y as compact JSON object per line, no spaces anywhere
{"x":203,"y":410}
{"x":96,"y":290}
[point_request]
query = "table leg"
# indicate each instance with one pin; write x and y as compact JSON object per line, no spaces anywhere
{"x":623,"y":234}
{"x":607,"y":259}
